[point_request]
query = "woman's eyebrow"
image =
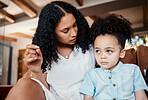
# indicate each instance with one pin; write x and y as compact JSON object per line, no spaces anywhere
{"x":67,"y":28}
{"x":75,"y":22}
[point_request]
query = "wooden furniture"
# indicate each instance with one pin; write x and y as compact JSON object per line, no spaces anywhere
{"x":22,"y":69}
{"x":4,"y":89}
{"x":130,"y":57}
{"x":139,"y":57}
{"x":142,"y":60}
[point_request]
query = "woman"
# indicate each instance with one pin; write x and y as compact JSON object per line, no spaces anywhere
{"x":61,"y":48}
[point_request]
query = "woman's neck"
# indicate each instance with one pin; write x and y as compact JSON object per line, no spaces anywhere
{"x":65,"y":50}
{"x":62,"y":46}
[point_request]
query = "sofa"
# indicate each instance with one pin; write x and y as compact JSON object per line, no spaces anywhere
{"x":140,"y":58}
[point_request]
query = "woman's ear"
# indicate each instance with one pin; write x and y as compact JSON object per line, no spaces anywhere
{"x":122,"y":53}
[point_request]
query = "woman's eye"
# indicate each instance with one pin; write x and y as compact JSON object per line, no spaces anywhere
{"x":97,"y":51}
{"x":75,"y":25}
{"x":65,"y":31}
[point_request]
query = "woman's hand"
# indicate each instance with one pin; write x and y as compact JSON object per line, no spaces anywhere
{"x":33,"y":58}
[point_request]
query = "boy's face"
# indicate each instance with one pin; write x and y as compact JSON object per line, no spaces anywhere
{"x":107,"y":51}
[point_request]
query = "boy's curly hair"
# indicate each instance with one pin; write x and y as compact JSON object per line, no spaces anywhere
{"x":45,"y":38}
{"x":115,"y":25}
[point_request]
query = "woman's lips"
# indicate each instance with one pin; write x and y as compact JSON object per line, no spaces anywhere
{"x":73,"y":40}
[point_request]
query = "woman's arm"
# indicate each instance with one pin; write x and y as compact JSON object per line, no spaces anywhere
{"x":87,"y":97}
{"x":140,"y":95}
{"x":33,"y":60}
{"x":28,"y":75}
{"x":26,"y":88}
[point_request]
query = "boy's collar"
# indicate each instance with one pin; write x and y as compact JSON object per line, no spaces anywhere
{"x":117,"y":68}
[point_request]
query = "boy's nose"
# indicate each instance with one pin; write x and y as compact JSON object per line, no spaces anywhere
{"x":103,"y":56}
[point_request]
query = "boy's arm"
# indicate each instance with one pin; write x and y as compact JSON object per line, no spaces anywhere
{"x":88,"y":97}
{"x":140,"y":95}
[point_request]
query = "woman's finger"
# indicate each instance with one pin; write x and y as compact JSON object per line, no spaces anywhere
{"x":29,"y":60}
{"x":39,"y":53}
{"x":32,"y":46}
{"x":31,"y":56}
{"x":31,"y":51}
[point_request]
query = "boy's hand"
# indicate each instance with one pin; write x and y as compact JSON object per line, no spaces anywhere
{"x":88,"y":97}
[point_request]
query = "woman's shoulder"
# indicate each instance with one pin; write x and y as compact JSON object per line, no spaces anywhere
{"x":91,"y":47}
{"x":79,"y":49}
{"x":94,"y":71}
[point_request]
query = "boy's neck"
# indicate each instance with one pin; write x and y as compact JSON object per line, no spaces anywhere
{"x":113,"y":66}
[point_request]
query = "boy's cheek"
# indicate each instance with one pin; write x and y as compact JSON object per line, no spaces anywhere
{"x":97,"y":59}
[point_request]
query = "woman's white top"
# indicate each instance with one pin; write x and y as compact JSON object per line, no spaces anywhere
{"x":66,"y":76}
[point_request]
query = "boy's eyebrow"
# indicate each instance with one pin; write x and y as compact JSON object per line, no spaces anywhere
{"x":109,"y":48}
{"x":97,"y":48}
{"x":105,"y":48}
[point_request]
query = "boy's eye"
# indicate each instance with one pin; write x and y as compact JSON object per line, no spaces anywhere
{"x":97,"y":51}
{"x":109,"y":51}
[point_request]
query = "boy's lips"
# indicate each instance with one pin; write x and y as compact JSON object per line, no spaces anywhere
{"x":104,"y":63}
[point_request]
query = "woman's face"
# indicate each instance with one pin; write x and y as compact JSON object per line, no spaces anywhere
{"x":66,"y":30}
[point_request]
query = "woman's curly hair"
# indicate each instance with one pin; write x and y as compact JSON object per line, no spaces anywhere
{"x":45,"y":38}
{"x":115,"y":25}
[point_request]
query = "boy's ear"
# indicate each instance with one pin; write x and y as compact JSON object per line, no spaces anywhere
{"x":122,"y":53}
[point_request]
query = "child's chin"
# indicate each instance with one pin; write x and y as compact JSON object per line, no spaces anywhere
{"x":105,"y":67}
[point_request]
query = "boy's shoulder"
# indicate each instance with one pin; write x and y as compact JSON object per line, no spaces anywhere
{"x":130,"y":67}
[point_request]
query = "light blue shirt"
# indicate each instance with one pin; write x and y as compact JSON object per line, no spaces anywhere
{"x":120,"y":83}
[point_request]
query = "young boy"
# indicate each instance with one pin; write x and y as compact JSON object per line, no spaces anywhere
{"x":114,"y":80}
